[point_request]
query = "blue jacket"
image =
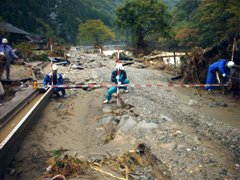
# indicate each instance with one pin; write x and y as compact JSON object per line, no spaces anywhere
{"x":8,"y":52}
{"x":221,"y":65}
{"x":122,"y":76}
{"x":48,"y":77}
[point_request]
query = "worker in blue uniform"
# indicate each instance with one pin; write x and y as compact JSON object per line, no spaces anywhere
{"x":57,"y":80}
{"x":117,"y":79}
{"x":8,"y":53}
{"x":224,"y":67}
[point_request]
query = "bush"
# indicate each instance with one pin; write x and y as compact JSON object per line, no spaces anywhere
{"x":25,"y":47}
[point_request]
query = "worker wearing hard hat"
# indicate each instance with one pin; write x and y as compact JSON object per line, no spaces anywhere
{"x":7,"y":50}
{"x":224,"y":67}
{"x":57,"y":80}
{"x":120,"y":79}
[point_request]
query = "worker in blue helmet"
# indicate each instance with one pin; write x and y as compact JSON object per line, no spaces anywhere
{"x":224,"y":67}
{"x":120,"y":79}
{"x":57,"y":80}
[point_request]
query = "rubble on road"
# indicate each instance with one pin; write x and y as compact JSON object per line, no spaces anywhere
{"x":62,"y":164}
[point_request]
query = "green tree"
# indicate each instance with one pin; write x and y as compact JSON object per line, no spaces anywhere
{"x":62,"y":42}
{"x":144,"y":18}
{"x":25,"y":47}
{"x":217,"y":20}
{"x":94,"y":31}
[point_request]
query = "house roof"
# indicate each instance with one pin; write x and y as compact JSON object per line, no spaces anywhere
{"x":30,"y":39}
{"x":38,"y":36}
{"x":7,"y":27}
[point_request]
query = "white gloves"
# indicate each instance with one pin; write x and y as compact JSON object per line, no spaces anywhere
{"x":119,"y":83}
{"x":2,"y":54}
{"x":223,"y":75}
{"x":117,"y":77}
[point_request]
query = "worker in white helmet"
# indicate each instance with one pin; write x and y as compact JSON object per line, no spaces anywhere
{"x":7,"y":50}
{"x":224,"y":67}
{"x":57,"y":80}
{"x":120,"y":79}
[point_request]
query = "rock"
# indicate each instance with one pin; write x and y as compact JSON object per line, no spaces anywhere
{"x":118,"y":112}
{"x":162,"y":137}
{"x":107,"y":109}
{"x":128,"y":125}
{"x":155,"y":121}
{"x":107,"y":119}
{"x":123,"y":119}
{"x":193,"y":103}
{"x":165,"y":118}
{"x":216,"y":104}
{"x":118,"y":118}
{"x":169,"y":146}
{"x":132,"y":109}
{"x":59,"y":105}
{"x":180,"y":146}
{"x":224,"y":172}
{"x":146,"y":126}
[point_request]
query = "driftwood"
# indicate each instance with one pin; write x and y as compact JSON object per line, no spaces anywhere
{"x":218,"y":47}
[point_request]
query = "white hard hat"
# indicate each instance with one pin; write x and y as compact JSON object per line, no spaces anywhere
{"x":55,"y":67}
{"x":230,"y":64}
{"x":119,"y":66}
{"x":4,"y":40}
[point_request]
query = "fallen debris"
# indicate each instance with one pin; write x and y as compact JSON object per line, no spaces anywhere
{"x":62,"y":165}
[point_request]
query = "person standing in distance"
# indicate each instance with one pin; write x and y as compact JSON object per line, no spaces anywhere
{"x":7,"y":50}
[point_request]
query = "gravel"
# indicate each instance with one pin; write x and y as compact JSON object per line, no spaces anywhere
{"x":187,"y":143}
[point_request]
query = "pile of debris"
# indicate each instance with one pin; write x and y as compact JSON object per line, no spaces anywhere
{"x":78,"y":166}
{"x":59,"y":51}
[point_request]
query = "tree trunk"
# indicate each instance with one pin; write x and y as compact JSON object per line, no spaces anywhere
{"x":140,"y":43}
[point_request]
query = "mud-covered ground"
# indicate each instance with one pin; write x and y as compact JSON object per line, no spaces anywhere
{"x":186,"y":133}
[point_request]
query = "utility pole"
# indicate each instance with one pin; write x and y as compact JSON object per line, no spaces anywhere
{"x":53,"y":18}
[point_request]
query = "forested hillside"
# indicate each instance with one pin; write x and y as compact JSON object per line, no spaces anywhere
{"x":205,"y":22}
{"x":32,"y":16}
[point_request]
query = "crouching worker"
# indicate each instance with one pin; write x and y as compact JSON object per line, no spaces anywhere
{"x":122,"y":77}
{"x":57,"y":80}
{"x":224,"y":67}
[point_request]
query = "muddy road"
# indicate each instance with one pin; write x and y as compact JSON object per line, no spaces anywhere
{"x":182,"y":137}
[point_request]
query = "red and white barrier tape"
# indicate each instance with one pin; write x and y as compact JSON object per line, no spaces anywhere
{"x":231,"y":70}
{"x":137,"y":85}
{"x":32,"y":66}
{"x":234,"y":45}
